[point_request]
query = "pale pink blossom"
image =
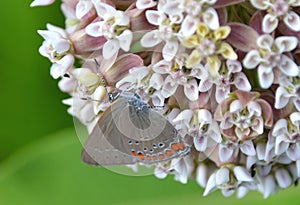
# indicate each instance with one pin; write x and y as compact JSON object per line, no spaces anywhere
{"x":270,"y":57}
{"x":114,"y":26}
{"x":276,"y":10}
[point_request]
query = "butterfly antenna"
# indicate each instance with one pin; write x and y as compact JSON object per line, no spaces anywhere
{"x":158,"y":107}
{"x":100,"y":74}
{"x":110,"y":96}
{"x":94,"y":100}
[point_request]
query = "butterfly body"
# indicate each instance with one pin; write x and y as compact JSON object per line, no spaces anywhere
{"x":130,"y":131}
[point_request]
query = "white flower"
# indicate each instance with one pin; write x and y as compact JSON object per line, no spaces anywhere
{"x":289,"y":90}
{"x":113,"y":26}
{"x":245,"y":120}
{"x":276,"y":10}
{"x":56,"y":48}
{"x":165,"y":32}
{"x":270,"y":56}
{"x":228,"y":178}
{"x":287,"y":134}
{"x":267,"y":185}
{"x":182,"y":168}
{"x":205,"y":130}
{"x":228,"y":75}
{"x":191,"y":21}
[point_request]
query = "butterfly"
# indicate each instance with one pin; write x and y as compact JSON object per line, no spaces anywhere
{"x":130,"y":131}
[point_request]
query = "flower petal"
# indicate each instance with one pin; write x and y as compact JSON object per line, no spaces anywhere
{"x":280,"y":128}
{"x":211,"y":185}
{"x":265,"y":41}
{"x":283,"y":178}
{"x":200,"y":143}
{"x":110,"y":48}
{"x":60,"y":67}
{"x":170,"y":49}
{"x":269,"y":23}
{"x":156,"y":81}
{"x":281,"y":98}
{"x":191,"y":90}
{"x":227,"y":51}
{"x":104,"y":10}
{"x":210,"y":17}
{"x":293,"y":153}
{"x":292,"y":20}
{"x":265,"y":78}
{"x":125,"y":40}
{"x":154,"y":17}
{"x":202,"y":174}
{"x":222,"y":93}
{"x":234,"y":66}
{"x":280,"y":146}
{"x":248,"y":148}
{"x":242,"y":174}
{"x":222,"y":176}
{"x":288,"y":67}
{"x":94,"y":29}
{"x":205,"y":85}
{"x":82,"y":8}
{"x":259,"y":4}
{"x":61,"y":45}
{"x":41,"y":2}
{"x":162,"y":67}
{"x":268,"y":186}
{"x":241,"y":82}
{"x":144,"y":4}
{"x":194,"y":58}
{"x":169,"y":87}
{"x":225,"y":153}
{"x":150,"y":39}
{"x":188,"y":26}
{"x":235,"y":106}
{"x":252,"y":59}
{"x":261,"y":151}
{"x":286,"y":43}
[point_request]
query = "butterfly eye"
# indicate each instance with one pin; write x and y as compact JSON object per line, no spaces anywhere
{"x":161,"y":145}
{"x":154,"y":146}
{"x":130,"y":142}
{"x":137,"y":142}
{"x":145,"y":149}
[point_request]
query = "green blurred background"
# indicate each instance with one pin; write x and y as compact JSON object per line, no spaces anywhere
{"x":39,"y":150}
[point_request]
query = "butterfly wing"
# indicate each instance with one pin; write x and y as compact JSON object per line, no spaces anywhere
{"x":97,"y":149}
{"x":125,"y":135}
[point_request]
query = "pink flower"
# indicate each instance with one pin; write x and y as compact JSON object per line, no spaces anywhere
{"x":243,"y":116}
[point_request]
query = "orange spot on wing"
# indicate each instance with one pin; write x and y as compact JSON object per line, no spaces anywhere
{"x":169,"y":153}
{"x":141,"y":156}
{"x":161,"y":156}
{"x":149,"y":158}
{"x":134,"y":153}
{"x":155,"y":158}
{"x":178,"y":146}
{"x":181,"y":146}
{"x":175,"y":147}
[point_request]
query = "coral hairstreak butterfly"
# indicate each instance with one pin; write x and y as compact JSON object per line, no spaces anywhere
{"x":130,"y":131}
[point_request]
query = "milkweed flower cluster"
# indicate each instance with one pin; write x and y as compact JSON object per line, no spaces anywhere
{"x":226,"y":72}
